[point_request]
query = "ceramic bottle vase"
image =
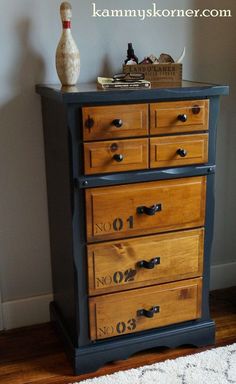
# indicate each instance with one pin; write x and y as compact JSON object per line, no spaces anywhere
{"x":67,"y":53}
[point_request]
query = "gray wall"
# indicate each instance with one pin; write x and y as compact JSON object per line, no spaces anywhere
{"x":29,"y":33}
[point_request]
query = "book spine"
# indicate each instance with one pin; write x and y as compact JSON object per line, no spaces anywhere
{"x":120,"y":86}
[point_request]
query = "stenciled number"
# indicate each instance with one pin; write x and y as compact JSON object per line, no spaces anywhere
{"x":118,"y":224}
{"x":127,"y":276}
{"x":118,"y":277}
{"x":122,"y":326}
{"x":130,"y":220}
{"x":131,"y":324}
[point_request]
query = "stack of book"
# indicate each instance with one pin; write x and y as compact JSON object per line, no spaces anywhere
{"x":110,"y":83}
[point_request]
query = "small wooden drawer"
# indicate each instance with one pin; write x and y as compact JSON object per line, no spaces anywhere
{"x":145,"y":208}
{"x":179,"y":116}
{"x":178,"y":150}
{"x":116,"y":156}
{"x":141,"y":309}
{"x":115,"y":121}
{"x":139,"y":262}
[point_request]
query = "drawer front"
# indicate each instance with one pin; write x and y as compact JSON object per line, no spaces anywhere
{"x":116,"y":156}
{"x":145,"y":208}
{"x":178,"y":150}
{"x":141,"y":309}
{"x":180,"y":116}
{"x":115,"y":121}
{"x":139,"y":262}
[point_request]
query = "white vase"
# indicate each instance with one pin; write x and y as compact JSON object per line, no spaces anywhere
{"x":67,"y":53}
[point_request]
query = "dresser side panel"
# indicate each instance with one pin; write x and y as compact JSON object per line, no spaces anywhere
{"x":60,"y":209}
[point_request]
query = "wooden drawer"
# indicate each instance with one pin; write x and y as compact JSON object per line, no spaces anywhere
{"x":116,"y":156}
{"x":178,"y":150}
{"x":139,"y":262}
{"x":180,"y":116}
{"x":121,"y":313}
{"x":129,"y":210}
{"x":115,"y":121}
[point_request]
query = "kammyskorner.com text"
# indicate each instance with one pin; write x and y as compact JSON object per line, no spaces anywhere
{"x":154,"y":12}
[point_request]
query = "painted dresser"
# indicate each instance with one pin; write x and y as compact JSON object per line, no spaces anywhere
{"x":130,"y":178}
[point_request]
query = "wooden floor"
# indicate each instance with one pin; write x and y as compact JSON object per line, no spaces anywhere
{"x":35,"y":355}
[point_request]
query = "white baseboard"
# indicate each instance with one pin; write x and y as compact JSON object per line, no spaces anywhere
{"x":1,"y":317}
{"x":223,"y":276}
{"x":35,"y":310}
{"x":23,"y":312}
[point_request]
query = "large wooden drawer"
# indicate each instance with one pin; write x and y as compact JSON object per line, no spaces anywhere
{"x":115,"y":121}
{"x":133,"y":263}
{"x":116,"y":156}
{"x":179,"y":150}
{"x":179,"y":116}
{"x":141,"y":309}
{"x":145,"y":208}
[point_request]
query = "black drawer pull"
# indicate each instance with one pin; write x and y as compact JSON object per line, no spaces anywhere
{"x":149,"y":264}
{"x":117,"y":157}
{"x":182,"y":152}
{"x":150,"y":313}
{"x":89,"y":123}
{"x":150,"y":211}
{"x":183,"y":118}
{"x":117,"y":123}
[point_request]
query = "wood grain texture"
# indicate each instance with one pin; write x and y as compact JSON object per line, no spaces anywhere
{"x":42,"y":360}
{"x":112,"y":211}
{"x":164,"y":150}
{"x":164,"y":117}
{"x":99,"y":157}
{"x":113,"y":266}
{"x":134,"y":121}
{"x":117,"y":313}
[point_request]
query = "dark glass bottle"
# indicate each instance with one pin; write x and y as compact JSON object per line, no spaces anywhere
{"x":130,"y":54}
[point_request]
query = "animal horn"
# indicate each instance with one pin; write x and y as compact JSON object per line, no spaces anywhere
{"x":182,"y":56}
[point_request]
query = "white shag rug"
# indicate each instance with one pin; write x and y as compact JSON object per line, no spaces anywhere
{"x":216,"y":366}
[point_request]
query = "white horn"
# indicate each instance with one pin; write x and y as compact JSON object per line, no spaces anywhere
{"x":182,"y":56}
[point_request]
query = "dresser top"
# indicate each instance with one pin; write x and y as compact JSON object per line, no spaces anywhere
{"x":88,"y":93}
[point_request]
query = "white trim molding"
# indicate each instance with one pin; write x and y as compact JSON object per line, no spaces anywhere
{"x":1,"y":314}
{"x":223,"y":276}
{"x":28,"y":311}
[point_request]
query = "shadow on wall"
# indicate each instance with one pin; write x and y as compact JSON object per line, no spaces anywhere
{"x":214,"y":60}
{"x":106,"y":68}
{"x":30,"y":67}
{"x":23,"y":220}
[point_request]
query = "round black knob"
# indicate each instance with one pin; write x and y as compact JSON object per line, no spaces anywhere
{"x":117,"y":123}
{"x":182,"y":152}
{"x":117,"y":157}
{"x":183,"y":118}
{"x":89,"y":123}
